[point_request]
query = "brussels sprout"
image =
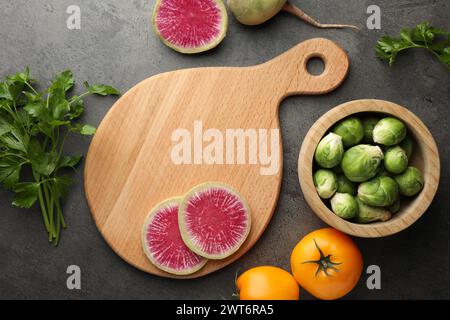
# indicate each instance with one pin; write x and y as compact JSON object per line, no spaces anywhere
{"x":351,"y":130}
{"x":345,"y":185}
{"x":379,"y":192}
{"x":389,"y":131}
{"x":408,"y":145}
{"x":395,"y":160}
{"x":329,"y":151}
{"x":410,"y":182}
{"x":395,"y":207}
{"x":344,"y":205}
{"x":361,"y":162}
{"x":368,"y":214}
{"x":369,"y":124}
{"x":325,"y":182}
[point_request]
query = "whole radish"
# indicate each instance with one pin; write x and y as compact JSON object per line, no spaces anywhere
{"x":254,"y":12}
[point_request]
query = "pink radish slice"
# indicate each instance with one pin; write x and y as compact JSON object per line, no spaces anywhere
{"x":214,"y":220}
{"x":190,"y":26}
{"x":162,"y":242}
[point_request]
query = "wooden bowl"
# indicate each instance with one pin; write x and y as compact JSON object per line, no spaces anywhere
{"x":425,"y":158}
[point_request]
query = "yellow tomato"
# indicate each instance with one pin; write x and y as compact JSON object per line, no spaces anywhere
{"x":267,"y":283}
{"x":327,"y":264}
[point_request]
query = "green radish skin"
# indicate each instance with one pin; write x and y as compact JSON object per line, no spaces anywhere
{"x":254,"y":12}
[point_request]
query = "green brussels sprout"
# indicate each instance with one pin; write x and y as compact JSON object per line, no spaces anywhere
{"x":325,"y":182}
{"x":395,"y":207}
{"x":344,"y":205}
{"x":379,"y":192}
{"x":361,"y":162}
{"x":389,"y":131}
{"x":395,"y":160}
{"x":351,"y":130}
{"x":345,"y":185}
{"x":329,"y":151}
{"x":408,"y":145}
{"x":369,"y":124}
{"x":368,"y":214}
{"x":410,"y":182}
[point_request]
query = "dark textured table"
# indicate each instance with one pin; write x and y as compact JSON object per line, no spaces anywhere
{"x":116,"y":45}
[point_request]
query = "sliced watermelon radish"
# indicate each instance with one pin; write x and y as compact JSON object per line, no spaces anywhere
{"x":190,"y":26}
{"x":162,"y":242}
{"x":214,"y":220}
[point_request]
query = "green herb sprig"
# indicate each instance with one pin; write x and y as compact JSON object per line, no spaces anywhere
{"x":34,"y":127}
{"x":423,"y":36}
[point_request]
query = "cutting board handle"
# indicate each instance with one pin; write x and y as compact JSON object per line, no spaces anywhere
{"x":291,"y":68}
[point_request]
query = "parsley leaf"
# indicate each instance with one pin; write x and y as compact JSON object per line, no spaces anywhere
{"x":15,"y":140}
{"x":10,"y":168}
{"x":44,"y":163}
{"x":69,"y":161}
{"x":423,"y":36}
{"x":101,"y":89}
{"x":63,"y":81}
{"x":85,"y":130}
{"x":26,"y":194}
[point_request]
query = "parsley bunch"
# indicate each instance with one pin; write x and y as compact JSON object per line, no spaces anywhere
{"x":424,"y":36}
{"x":33,"y":130}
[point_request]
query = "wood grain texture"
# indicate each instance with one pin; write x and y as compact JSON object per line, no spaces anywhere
{"x":129,"y":169}
{"x":425,"y":158}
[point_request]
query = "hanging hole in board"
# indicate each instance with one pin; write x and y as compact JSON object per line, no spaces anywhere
{"x":315,"y":66}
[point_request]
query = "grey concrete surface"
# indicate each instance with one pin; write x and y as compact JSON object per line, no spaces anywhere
{"x":116,"y":45}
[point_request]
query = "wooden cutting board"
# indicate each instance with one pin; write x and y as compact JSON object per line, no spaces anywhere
{"x":130,"y":168}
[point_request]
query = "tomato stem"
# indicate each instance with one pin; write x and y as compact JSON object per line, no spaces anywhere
{"x":324,"y":263}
